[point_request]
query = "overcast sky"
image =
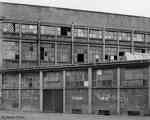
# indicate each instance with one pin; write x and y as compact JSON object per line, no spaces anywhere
{"x":129,"y":7}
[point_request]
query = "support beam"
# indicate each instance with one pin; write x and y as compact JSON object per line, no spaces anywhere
{"x":72,"y":44}
{"x":20,"y":45}
{"x":118,"y":47}
{"x":1,"y":87}
{"x":38,"y":43}
{"x":64,"y":91}
{"x":132,"y":42}
{"x":89,"y":90}
{"x":149,"y":87}
{"x":56,"y":37}
{"x":118,"y":90}
{"x":19,"y":91}
{"x":88,"y":45}
{"x":103,"y":38}
{"x":41,"y":91}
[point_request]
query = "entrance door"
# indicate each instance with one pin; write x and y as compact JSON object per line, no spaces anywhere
{"x":53,"y":101}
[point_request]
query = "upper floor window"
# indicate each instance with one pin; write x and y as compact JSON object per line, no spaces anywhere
{"x":10,"y":27}
{"x":80,"y":32}
{"x":147,"y":38}
{"x":138,"y":37}
{"x":110,"y":35}
{"x":124,"y":36}
{"x":50,"y":30}
{"x":95,"y":33}
{"x":29,"y":29}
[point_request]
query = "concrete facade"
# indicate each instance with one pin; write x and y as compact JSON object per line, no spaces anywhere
{"x":72,"y":61}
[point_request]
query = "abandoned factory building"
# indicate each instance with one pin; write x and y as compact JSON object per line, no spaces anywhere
{"x":73,"y":61}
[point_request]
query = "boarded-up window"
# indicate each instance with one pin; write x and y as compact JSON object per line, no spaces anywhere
{"x":11,"y":50}
{"x":103,"y":78}
{"x":63,"y":53}
{"x":95,"y":54}
{"x":135,"y":78}
{"x":76,"y":79}
{"x":29,"y":51}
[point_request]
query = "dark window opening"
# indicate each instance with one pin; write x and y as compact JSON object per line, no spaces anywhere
{"x":42,"y":53}
{"x":121,"y":53}
{"x":143,"y":50}
{"x":66,"y":31}
{"x":106,"y":57}
{"x":80,"y":58}
{"x":107,"y":83}
{"x":144,"y":83}
{"x":31,"y":48}
{"x":133,"y":112}
{"x":52,"y":45}
{"x":97,"y":60}
{"x":45,"y":53}
{"x":76,"y":111}
{"x":103,"y":112}
{"x":30,"y":85}
{"x":16,"y":57}
{"x":115,"y":57}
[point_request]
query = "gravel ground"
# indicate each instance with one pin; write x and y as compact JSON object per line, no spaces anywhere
{"x":7,"y":115}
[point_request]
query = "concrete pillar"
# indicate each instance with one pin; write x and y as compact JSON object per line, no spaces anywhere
{"x":88,"y":45}
{"x":118,"y":47}
{"x":118,"y":90}
{"x":20,"y":45}
{"x":38,"y":42}
{"x":56,"y":37}
{"x":1,"y":87}
{"x":64,"y":91}
{"x":149,"y":87}
{"x":19,"y":91}
{"x":72,"y":44}
{"x":89,"y":90}
{"x":132,"y":42}
{"x":41,"y":91}
{"x":103,"y":38}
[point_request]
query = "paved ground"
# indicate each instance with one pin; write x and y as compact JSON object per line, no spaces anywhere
{"x":50,"y":116}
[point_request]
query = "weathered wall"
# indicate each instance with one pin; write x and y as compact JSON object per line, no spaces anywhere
{"x":79,"y":17}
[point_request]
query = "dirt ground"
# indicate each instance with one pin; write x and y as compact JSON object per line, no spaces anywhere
{"x":9,"y":115}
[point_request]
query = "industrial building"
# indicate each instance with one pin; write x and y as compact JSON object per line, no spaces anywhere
{"x":73,"y":61}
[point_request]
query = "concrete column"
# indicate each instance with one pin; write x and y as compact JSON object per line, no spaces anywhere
{"x":20,"y":45}
{"x":19,"y":91}
{"x":1,"y":87}
{"x":72,"y":44}
{"x":55,"y":52}
{"x":88,"y":45}
{"x":103,"y":38}
{"x":118,"y":90}
{"x":41,"y":91}
{"x":118,"y":47}
{"x":64,"y":91}
{"x":132,"y":42}
{"x":149,"y":87}
{"x":38,"y":42}
{"x":89,"y":90}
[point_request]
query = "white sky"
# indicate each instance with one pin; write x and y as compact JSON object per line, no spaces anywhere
{"x":129,"y":7}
